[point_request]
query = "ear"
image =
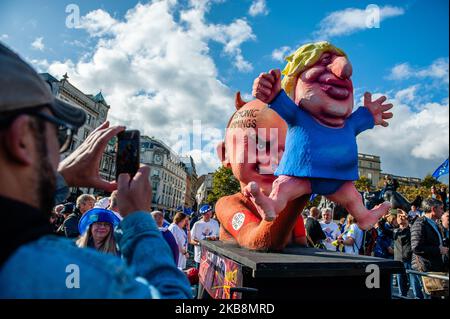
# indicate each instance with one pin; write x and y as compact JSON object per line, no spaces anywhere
{"x":19,"y":141}
{"x":221,"y":152}
{"x":238,"y":101}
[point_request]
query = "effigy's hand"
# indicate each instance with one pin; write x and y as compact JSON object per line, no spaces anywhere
{"x":267,"y":86}
{"x":378,"y":109}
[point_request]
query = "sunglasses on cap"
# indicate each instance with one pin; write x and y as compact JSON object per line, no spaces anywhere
{"x":65,"y":131}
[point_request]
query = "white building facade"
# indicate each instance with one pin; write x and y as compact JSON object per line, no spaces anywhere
{"x":167,"y":175}
{"x":205,"y":188}
{"x":96,"y":110}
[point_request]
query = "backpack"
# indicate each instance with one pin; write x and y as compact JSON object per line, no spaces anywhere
{"x":368,"y":242}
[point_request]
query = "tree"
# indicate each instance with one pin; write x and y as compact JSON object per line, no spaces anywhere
{"x":429,"y":181}
{"x":362,"y":183}
{"x":315,"y":202}
{"x":224,"y":184}
{"x":411,"y":192}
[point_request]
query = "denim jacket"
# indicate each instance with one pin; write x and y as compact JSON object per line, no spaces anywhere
{"x":53,"y":267}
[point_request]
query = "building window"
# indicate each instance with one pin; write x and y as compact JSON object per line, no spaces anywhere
{"x":86,"y":133}
{"x":105,"y":163}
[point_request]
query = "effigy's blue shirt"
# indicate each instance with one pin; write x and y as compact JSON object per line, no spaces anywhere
{"x":317,"y":151}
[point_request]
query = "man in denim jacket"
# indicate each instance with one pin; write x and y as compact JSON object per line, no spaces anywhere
{"x":34,"y":128}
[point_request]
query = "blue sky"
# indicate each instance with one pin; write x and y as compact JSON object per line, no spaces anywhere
{"x":214,"y":48}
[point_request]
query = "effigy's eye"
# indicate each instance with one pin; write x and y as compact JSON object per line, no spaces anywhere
{"x":326,"y":60}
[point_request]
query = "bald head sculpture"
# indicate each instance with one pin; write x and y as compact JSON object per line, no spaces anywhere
{"x":254,"y":143}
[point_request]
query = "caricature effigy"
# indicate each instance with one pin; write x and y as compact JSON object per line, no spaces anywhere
{"x":238,"y":216}
{"x":315,"y":98}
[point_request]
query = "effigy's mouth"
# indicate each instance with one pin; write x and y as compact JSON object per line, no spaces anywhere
{"x":334,"y":87}
{"x":335,"y":92}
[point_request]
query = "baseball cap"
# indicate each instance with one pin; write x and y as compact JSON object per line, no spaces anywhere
{"x":22,"y":88}
{"x":188,"y":211}
{"x":68,"y":208}
{"x":185,"y":210}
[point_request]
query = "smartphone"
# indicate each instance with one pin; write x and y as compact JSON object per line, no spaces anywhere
{"x":128,"y":153}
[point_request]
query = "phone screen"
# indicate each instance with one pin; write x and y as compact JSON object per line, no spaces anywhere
{"x":127,"y":153}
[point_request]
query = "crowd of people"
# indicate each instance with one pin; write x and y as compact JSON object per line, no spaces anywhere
{"x":418,"y":238}
{"x":91,"y":222}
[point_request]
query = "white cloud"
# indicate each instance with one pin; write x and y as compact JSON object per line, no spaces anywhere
{"x":438,"y":70}
{"x":280,"y":53}
{"x":155,"y":70}
{"x":231,"y":36}
{"x":351,"y":20}
{"x":416,"y":140}
{"x":40,"y":65}
{"x":258,"y":7}
{"x":4,"y":37}
{"x":77,"y":43}
{"x":401,"y":71}
{"x":38,"y":44}
{"x":98,"y":23}
{"x":246,"y":97}
{"x":242,"y":65}
{"x":407,"y":95}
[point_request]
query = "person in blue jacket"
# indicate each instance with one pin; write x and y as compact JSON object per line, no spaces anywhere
{"x":34,"y":263}
{"x":321,"y":155}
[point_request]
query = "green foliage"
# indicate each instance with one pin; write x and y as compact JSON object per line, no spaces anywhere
{"x":224,"y":184}
{"x":315,"y":202}
{"x":429,"y":181}
{"x":362,"y":183}
{"x":411,"y":192}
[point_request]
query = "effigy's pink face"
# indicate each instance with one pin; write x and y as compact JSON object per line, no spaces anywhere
{"x":255,"y":149}
{"x":325,"y":90}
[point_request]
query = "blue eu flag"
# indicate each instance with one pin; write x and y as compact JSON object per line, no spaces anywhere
{"x":441,"y":170}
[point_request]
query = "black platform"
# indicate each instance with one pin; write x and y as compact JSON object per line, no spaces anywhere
{"x":308,"y":273}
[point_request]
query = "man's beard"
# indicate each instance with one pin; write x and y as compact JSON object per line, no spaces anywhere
{"x":46,"y":179}
{"x":46,"y":187}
